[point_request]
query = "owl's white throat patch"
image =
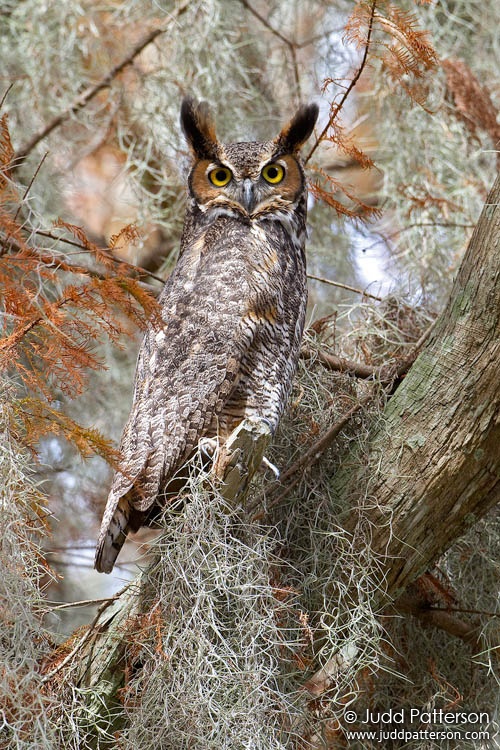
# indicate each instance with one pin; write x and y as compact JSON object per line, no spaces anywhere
{"x":215,"y":211}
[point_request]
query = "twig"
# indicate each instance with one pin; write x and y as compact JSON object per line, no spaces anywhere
{"x":317,"y":449}
{"x":82,"y":603}
{"x":317,"y":37}
{"x":337,"y":108}
{"x":4,"y":97}
{"x":87,"y":96}
{"x":344,"y":286}
{"x":385,"y":238}
{"x":265,"y":22}
{"x":69,"y":547}
{"x":309,"y":458}
{"x":298,"y":88}
{"x":436,"y":224}
{"x":30,"y":184}
{"x":105,"y":250}
{"x":4,"y":249}
{"x":292,"y":46}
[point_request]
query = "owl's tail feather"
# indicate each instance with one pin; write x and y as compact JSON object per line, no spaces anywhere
{"x":113,"y":535}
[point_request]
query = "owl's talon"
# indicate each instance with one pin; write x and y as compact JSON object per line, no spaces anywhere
{"x":266,"y":464}
{"x":208,"y":446}
{"x":271,"y":425}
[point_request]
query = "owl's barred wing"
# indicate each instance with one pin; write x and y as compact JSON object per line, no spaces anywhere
{"x":179,"y":392}
{"x":185,"y":374}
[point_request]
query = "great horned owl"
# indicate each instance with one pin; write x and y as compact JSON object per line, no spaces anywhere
{"x":233,"y":314}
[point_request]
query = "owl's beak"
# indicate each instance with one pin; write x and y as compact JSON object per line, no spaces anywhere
{"x":248,"y":195}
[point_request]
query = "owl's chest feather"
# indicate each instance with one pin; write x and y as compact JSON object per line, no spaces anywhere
{"x":230,"y":252}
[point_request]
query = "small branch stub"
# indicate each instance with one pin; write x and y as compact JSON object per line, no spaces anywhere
{"x":241,"y":456}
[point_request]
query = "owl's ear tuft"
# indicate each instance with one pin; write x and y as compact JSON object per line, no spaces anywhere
{"x":199,"y":129}
{"x":297,"y":131}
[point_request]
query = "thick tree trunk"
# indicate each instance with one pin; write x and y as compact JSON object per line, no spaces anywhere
{"x":433,"y":466}
{"x":435,"y":455}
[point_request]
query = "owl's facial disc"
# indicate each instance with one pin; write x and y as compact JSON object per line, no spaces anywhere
{"x":263,"y":182}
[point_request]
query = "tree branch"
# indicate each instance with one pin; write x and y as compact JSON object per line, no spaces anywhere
{"x":105,"y":250}
{"x":340,"y":364}
{"x":87,"y":96}
{"x":344,"y":286}
{"x":292,"y":46}
{"x":414,"y":604}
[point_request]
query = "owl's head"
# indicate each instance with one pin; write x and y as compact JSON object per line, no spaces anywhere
{"x":249,"y":179}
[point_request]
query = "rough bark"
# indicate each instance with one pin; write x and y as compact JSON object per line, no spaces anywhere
{"x":435,"y":455}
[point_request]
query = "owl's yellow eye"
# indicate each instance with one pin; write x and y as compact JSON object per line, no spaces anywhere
{"x":273,"y":173}
{"x":219,"y":176}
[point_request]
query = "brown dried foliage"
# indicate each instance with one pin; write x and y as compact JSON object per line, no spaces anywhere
{"x":326,"y":188}
{"x":55,"y":313}
{"x":356,"y":28}
{"x":408,"y":57}
{"x":472,"y":101}
{"x":382,"y":30}
{"x":428,"y":197}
